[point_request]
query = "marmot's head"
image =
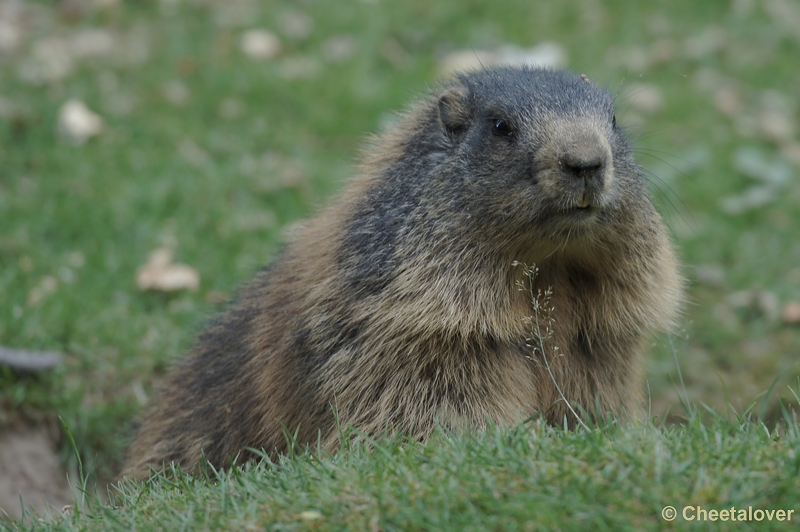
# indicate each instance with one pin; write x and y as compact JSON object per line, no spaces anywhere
{"x":536,"y":149}
{"x":517,"y":163}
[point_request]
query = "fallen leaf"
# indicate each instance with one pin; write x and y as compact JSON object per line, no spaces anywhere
{"x":710,"y":274}
{"x":774,"y":172}
{"x":790,"y":151}
{"x":254,"y":221}
{"x":775,"y":118}
{"x":260,"y":44}
{"x":769,"y":304}
{"x":230,"y":108}
{"x":77,"y":124}
{"x":750,"y":199}
{"x":10,"y":37}
{"x":76,"y":259}
{"x":765,"y":302}
{"x":645,"y":97}
{"x":175,"y":92}
{"x":310,"y":515}
{"x":193,"y":154}
{"x":47,"y":285}
{"x":727,"y":101}
{"x":92,"y":43}
{"x":785,"y":15}
{"x":160,"y":273}
{"x":753,"y":163}
{"x":791,"y":313}
{"x":299,"y":67}
{"x":776,"y":126}
{"x":339,"y":48}
{"x":465,"y":60}
{"x":296,"y":25}
{"x":50,"y":61}
{"x":393,"y":51}
{"x":711,"y":40}
{"x":7,"y":108}
{"x":546,"y":55}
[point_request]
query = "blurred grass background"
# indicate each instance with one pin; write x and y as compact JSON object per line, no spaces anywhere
{"x":211,"y":152}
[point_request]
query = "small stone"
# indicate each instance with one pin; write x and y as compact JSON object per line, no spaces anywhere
{"x":22,"y":360}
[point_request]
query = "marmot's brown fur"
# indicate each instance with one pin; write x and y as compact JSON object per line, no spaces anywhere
{"x":397,"y":307}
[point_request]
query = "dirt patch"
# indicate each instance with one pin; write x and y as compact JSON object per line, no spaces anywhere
{"x":30,"y":469}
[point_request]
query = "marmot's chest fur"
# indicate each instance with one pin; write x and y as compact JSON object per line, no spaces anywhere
{"x":399,"y":306}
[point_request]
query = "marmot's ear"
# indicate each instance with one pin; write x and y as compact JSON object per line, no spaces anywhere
{"x":454,"y":113}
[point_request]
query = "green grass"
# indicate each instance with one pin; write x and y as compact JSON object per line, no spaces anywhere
{"x":531,"y":478}
{"x":88,"y":216}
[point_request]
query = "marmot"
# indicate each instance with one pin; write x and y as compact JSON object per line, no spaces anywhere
{"x":398,"y":306}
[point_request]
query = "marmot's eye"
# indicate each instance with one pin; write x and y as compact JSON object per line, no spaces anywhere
{"x":613,"y":120}
{"x":502,"y":128}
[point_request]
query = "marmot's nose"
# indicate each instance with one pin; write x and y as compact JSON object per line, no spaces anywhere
{"x":585,"y":157}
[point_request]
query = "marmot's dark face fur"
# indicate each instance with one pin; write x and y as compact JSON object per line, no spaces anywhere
{"x":398,"y":308}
